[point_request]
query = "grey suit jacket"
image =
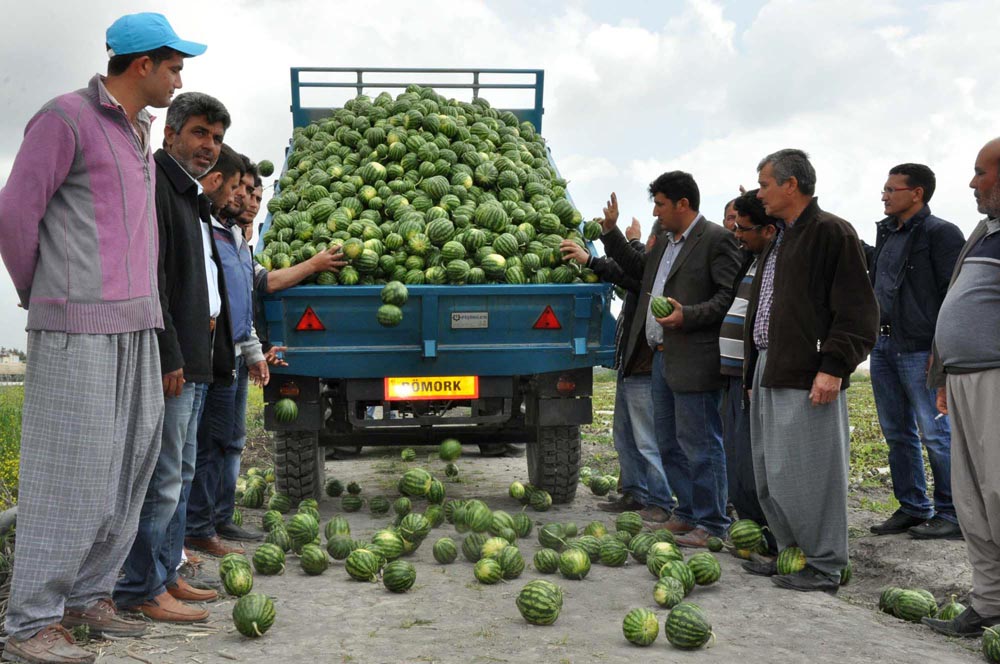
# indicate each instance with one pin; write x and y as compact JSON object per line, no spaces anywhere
{"x":701,"y":279}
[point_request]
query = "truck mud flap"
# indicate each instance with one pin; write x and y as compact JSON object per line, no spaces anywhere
{"x":561,"y":412}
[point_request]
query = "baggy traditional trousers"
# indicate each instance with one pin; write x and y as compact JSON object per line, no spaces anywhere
{"x":90,"y":436}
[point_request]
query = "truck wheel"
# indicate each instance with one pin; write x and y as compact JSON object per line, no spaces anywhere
{"x":298,"y":464}
{"x":554,"y":462}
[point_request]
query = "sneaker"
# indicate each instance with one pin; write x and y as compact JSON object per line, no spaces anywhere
{"x":231,"y":531}
{"x":936,"y":528}
{"x":624,"y":504}
{"x":102,"y":619}
{"x":968,"y":624}
{"x":899,"y":522}
{"x":808,"y":580}
{"x":51,"y":645}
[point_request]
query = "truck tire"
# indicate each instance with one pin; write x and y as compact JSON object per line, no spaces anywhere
{"x":554,"y":462}
{"x":298,"y":464}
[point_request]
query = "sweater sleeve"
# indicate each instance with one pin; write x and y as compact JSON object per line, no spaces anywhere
{"x":853,"y":310}
{"x":41,"y":166}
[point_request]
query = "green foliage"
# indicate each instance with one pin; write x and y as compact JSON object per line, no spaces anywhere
{"x":11,"y":399}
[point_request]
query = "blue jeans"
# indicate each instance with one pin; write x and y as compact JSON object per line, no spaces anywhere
{"x":144,"y":572}
{"x":221,"y":436}
{"x":908,"y":415}
{"x":173,"y":543}
{"x":642,"y":473}
{"x":689,"y":435}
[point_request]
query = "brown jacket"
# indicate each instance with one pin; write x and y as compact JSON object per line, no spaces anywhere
{"x":824,"y":316}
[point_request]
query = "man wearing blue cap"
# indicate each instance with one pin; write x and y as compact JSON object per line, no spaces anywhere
{"x":93,"y":402}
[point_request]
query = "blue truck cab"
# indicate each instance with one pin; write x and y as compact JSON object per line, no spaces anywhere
{"x":484,"y":364}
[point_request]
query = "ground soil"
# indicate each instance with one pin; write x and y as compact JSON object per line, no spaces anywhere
{"x":449,"y":617}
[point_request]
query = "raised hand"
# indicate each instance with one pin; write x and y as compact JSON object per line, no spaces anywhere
{"x":610,"y":213}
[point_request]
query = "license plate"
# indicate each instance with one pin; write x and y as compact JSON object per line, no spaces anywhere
{"x":417,"y":388}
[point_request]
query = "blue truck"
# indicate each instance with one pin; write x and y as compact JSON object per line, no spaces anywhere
{"x":484,"y":364}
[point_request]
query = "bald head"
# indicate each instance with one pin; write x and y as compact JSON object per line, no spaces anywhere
{"x":985,"y":182}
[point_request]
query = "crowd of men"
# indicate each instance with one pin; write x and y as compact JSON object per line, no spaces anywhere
{"x":135,"y":270}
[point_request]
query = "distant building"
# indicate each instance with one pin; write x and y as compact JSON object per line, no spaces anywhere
{"x":11,"y":368}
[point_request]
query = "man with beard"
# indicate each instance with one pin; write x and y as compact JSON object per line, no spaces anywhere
{"x":967,"y":374}
{"x":192,"y":355}
{"x":222,"y":433}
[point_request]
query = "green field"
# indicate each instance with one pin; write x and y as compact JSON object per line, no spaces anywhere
{"x":10,"y":442}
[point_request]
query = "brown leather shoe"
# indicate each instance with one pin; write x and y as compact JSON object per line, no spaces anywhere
{"x":52,"y":645}
{"x":192,"y":559}
{"x":697,"y":538}
{"x":185,"y":592}
{"x":654,"y":514}
{"x":213,"y":546}
{"x":103,"y":620}
{"x":678,"y":526}
{"x":164,"y":608}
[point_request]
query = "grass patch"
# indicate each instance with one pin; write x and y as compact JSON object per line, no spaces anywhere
{"x":11,"y":401}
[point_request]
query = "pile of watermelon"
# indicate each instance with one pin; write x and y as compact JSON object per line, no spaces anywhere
{"x":421,"y":189}
{"x":913,"y":604}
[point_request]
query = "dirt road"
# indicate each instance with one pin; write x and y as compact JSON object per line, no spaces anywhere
{"x":449,"y":617}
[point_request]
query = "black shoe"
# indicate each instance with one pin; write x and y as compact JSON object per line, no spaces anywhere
{"x":760,"y":565}
{"x":968,"y":624}
{"x":624,"y":504}
{"x":231,"y":531}
{"x":198,"y":579}
{"x":899,"y":522}
{"x":936,"y":528}
{"x":808,"y":580}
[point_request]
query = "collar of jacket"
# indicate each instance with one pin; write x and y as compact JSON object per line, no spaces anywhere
{"x":808,"y":215}
{"x":98,"y":94}
{"x":890,"y":223}
{"x":178,"y":177}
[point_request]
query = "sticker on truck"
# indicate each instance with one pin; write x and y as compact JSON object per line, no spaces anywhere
{"x":470,"y":320}
{"x":417,"y":388}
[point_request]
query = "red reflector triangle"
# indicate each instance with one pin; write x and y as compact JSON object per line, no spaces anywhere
{"x":548,"y":320}
{"x":309,"y":322}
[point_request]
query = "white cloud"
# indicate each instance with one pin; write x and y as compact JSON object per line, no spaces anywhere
{"x":860,"y":84}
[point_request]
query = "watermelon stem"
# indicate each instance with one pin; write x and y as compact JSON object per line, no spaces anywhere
{"x":711,"y":640}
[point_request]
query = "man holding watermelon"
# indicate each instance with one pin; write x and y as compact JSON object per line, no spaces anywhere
{"x":966,"y":372}
{"x":85,"y":172}
{"x":821,"y":328}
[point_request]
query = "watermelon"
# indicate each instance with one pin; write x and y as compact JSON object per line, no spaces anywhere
{"x":687,"y":627}
{"x":351,"y":503}
{"x":285,"y":411}
{"x":679,"y":571}
{"x":588,"y":543}
{"x":435,"y":492}
{"x":472,"y":546}
{"x":237,"y":517}
{"x":523,"y":524}
{"x":478,"y":516}
{"x":574,"y":564}
{"x":488,"y":571}
{"x":705,"y":567}
{"x":312,"y":559}
{"x":408,"y":454}
{"x":311,"y":511}
{"x":541,"y":500}
{"x":338,"y":525}
{"x":613,"y":553}
{"x":280,"y":503}
{"x":271,"y":519}
{"x":253,"y":614}
{"x":552,"y":536}
{"x":399,"y":576}
{"x":253,"y":497}
{"x":511,"y":562}
{"x":791,"y":560}
{"x":415,"y":482}
{"x":402,"y":506}
{"x":641,"y":627}
{"x":714,"y":544}
{"x":434,"y":515}
{"x":630,"y":522}
{"x":595,"y":529}
{"x":887,"y":599}
{"x":340,"y":546}
{"x":600,"y":486}
{"x":334,"y":487}
{"x":991,"y":644}
{"x":540,"y":602}
{"x":640,"y":544}
{"x":362,"y":565}
{"x":492,"y":547}
{"x":395,"y":293}
{"x":451,"y":470}
{"x":445,"y":550}
{"x":912,"y":605}
{"x":414,"y":527}
{"x":378,"y":505}
{"x":660,"y":307}
{"x":302,"y":528}
{"x":269,"y":559}
{"x":239,"y":581}
{"x":280,"y":538}
{"x":592,"y":230}
{"x":231,"y":561}
{"x":389,"y":315}
{"x":450,"y":449}
{"x":745,"y":534}
{"x":546,"y":561}
{"x":516,"y":490}
{"x":846,"y":573}
{"x":668,"y":592}
{"x":265,"y":168}
{"x":387,"y":543}
{"x":950,"y":609}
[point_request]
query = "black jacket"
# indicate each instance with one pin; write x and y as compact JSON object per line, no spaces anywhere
{"x":823,"y":315}
{"x":701,"y":279}
{"x":931,"y":249}
{"x":608,"y":270}
{"x":186,"y":341}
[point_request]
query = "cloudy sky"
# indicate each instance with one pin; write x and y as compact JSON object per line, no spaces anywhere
{"x":633,"y":88}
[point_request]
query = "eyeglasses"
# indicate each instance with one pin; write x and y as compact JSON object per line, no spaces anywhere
{"x":893,"y":190}
{"x":745,"y":229}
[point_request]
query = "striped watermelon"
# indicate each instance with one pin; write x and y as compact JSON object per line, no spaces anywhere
{"x":239,"y":581}
{"x":546,"y":561}
{"x":389,"y":315}
{"x":791,"y":560}
{"x":416,"y":482}
{"x":639,"y":546}
{"x":991,"y":644}
{"x":269,"y":559}
{"x":362,"y":565}
{"x":351,"y":503}
{"x":378,"y":505}
{"x":313,"y":560}
{"x":488,"y":571}
{"x":231,"y":561}
{"x":334,"y":487}
{"x":541,"y":500}
{"x":705,"y":567}
{"x":395,"y":293}
{"x":687,"y":627}
{"x":402,"y":506}
{"x":745,"y":534}
{"x":340,"y":546}
{"x":540,"y":602}
{"x":271,"y":519}
{"x":280,"y":503}
{"x":492,"y":547}
{"x":445,"y":550}
{"x":523,"y":524}
{"x":668,"y":592}
{"x":613,"y":553}
{"x":338,"y":525}
{"x":574,"y":564}
{"x":302,"y":528}
{"x":414,"y":527}
{"x":279,"y":537}
{"x":949,"y":610}
{"x":641,"y":627}
{"x":511,"y":562}
{"x":387,"y":543}
{"x":253,"y":614}
{"x":450,"y":449}
{"x":679,"y":571}
{"x":478,"y":516}
{"x":552,"y":536}
{"x":913,"y":606}
{"x":399,"y":576}
{"x":434,"y":515}
{"x":435,"y":492}
{"x":472,"y":546}
{"x":630,"y":522}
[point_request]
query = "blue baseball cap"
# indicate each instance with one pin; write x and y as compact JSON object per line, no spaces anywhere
{"x":138,"y":33}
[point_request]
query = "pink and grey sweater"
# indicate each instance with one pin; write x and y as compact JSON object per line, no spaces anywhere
{"x":78,"y":220}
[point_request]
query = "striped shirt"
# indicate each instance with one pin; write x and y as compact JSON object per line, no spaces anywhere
{"x":761,"y":330}
{"x":731,"y":334}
